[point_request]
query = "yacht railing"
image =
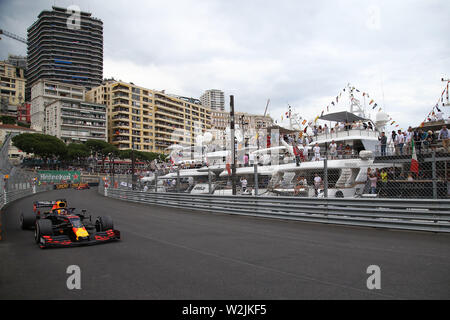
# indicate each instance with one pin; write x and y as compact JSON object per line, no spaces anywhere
{"x":343,"y":133}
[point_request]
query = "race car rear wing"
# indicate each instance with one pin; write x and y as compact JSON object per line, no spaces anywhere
{"x":47,"y":204}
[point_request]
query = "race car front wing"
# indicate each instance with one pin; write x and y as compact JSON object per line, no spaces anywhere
{"x":65,"y":241}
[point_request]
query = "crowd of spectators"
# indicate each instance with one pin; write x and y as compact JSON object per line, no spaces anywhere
{"x":401,"y":142}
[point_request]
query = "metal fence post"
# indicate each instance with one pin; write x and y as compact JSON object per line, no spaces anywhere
{"x":433,"y":168}
{"x":156,"y":181}
{"x":178,"y":179}
{"x":255,"y":170}
{"x":325,"y":177}
{"x":209,"y":182}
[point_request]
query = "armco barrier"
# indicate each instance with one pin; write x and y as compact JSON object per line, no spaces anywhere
{"x":406,"y":214}
{"x":10,"y":196}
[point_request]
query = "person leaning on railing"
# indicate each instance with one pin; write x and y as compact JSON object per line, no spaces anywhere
{"x":383,"y":142}
{"x":444,"y":136}
{"x":373,"y":183}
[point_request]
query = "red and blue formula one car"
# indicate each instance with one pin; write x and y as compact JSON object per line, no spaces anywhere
{"x":64,"y":227}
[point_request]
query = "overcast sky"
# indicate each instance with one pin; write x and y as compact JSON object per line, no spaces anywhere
{"x":301,"y":53}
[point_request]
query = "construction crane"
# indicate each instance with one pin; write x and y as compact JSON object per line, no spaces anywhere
{"x":267,"y":105}
{"x":13,"y":36}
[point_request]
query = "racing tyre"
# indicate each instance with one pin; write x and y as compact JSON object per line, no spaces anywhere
{"x":27,"y":220}
{"x":104,"y":223}
{"x":43,"y":228}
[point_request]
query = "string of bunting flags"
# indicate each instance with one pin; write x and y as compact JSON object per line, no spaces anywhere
{"x":436,"y":106}
{"x":351,"y":90}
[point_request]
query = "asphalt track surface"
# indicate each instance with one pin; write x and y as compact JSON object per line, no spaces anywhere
{"x":170,"y":253}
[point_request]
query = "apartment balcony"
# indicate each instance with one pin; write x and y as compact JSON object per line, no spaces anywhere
{"x":122,"y":124}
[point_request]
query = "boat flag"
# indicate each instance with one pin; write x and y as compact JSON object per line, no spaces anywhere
{"x":414,"y":163}
{"x":371,"y":101}
{"x":374,"y":106}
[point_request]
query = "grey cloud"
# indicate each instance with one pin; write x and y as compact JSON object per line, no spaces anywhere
{"x":301,"y":52}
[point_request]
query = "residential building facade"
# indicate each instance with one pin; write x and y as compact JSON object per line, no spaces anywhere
{"x":75,"y":121}
{"x":65,"y":52}
{"x":149,"y":120}
{"x":12,"y":88}
{"x":221,"y":120}
{"x":44,"y":92}
{"x":213,"y":99}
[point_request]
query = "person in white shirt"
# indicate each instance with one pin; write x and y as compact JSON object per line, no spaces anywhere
{"x":317,"y":184}
{"x":399,"y":142}
{"x":316,"y":151}
{"x":244,"y":184}
{"x":408,"y":138}
{"x":333,"y":150}
{"x":305,"y":152}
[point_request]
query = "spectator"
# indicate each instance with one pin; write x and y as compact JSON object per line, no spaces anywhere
{"x":384,"y":179}
{"x":408,"y":139}
{"x":316,"y":151}
{"x":430,"y":140}
{"x":317,"y":184}
{"x":373,"y":183}
{"x":424,"y":140}
{"x":399,"y":142}
{"x":393,"y":135}
{"x":298,"y":154}
{"x":246,"y":160}
{"x":315,"y":131}
{"x":333,"y":150}
{"x":340,"y":150}
{"x":244,"y":184}
{"x":348,"y":151}
{"x":305,"y":152}
{"x":417,"y":137}
{"x":383,"y":142}
{"x":444,"y":136}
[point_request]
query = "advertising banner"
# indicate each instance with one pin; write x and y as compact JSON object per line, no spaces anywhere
{"x":59,"y":176}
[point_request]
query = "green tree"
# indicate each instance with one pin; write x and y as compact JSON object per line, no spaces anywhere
{"x":100,"y":149}
{"x":78,"y":152}
{"x":41,"y":145}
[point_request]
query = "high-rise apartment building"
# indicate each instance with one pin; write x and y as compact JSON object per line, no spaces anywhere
{"x":213,"y":99}
{"x":149,"y":120}
{"x":66,"y":47}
